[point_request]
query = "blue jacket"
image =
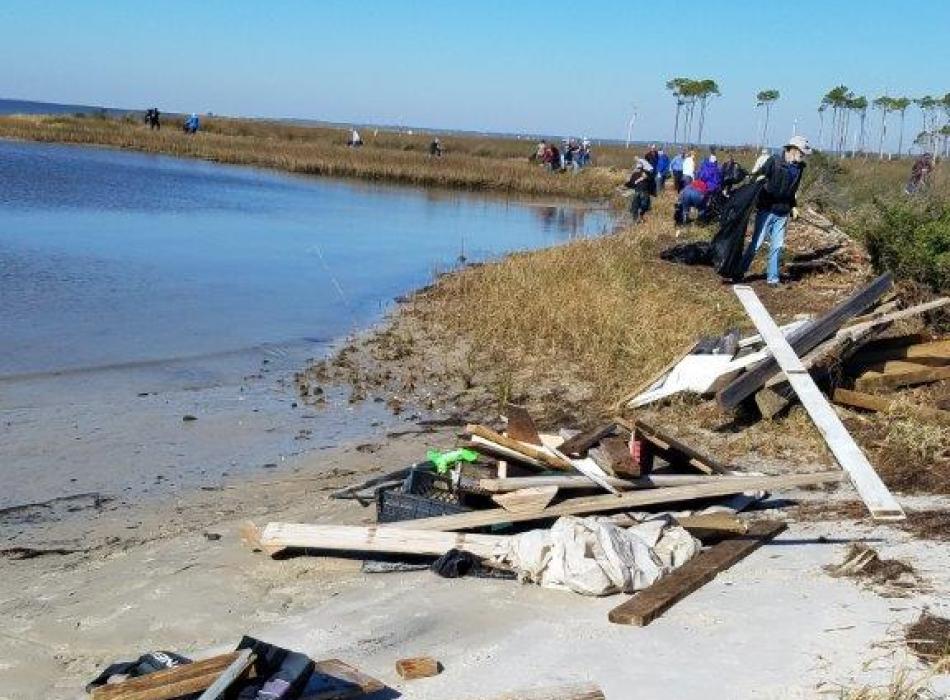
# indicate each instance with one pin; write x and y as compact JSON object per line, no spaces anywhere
{"x":677,"y":163}
{"x":663,"y":164}
{"x":710,"y":174}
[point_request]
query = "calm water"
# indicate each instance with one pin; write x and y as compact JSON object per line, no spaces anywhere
{"x":111,"y":258}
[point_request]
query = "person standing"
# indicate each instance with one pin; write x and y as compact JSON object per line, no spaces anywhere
{"x":782,"y":176}
{"x":662,"y":169}
{"x":689,"y":167}
{"x":641,"y":180}
{"x":919,"y":173}
{"x":676,"y":167}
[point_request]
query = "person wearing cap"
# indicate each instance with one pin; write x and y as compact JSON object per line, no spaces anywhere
{"x":781,"y":175}
{"x":640,"y":182}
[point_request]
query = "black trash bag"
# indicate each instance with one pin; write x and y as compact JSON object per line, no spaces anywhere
{"x":455,"y":563}
{"x":729,"y":242}
{"x":696,"y":253}
{"x":281,"y":674}
{"x":145,"y":664}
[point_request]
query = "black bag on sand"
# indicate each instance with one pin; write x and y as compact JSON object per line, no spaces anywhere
{"x":729,"y":242}
{"x":147,"y":663}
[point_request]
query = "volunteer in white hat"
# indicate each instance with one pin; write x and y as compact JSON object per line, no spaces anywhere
{"x":782,"y":176}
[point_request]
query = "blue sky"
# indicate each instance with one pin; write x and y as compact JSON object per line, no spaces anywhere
{"x":535,"y":67}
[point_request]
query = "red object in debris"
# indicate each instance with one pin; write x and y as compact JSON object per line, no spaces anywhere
{"x":637,"y":450}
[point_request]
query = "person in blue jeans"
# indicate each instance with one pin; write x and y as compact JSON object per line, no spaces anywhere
{"x":782,"y":175}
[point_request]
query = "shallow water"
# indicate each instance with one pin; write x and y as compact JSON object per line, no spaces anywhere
{"x":135,"y":289}
{"x":111,"y":258}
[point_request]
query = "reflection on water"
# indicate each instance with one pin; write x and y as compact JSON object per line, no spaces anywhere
{"x":109,"y":258}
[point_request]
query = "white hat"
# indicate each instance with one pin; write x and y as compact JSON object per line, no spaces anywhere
{"x":799,"y":142}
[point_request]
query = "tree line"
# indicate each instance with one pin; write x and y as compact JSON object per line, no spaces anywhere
{"x":849,"y":116}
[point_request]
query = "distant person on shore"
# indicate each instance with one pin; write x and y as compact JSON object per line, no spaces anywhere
{"x":585,"y":153}
{"x":782,"y":176}
{"x":662,"y":169}
{"x":694,"y":196}
{"x":435,"y":148}
{"x":555,"y":159}
{"x":920,"y":174}
{"x":689,"y":167}
{"x":153,"y":119}
{"x":355,"y":140}
{"x":676,"y":169}
{"x":192,"y":124}
{"x":540,"y":151}
{"x":641,"y":182}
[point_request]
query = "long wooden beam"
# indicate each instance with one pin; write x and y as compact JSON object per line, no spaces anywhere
{"x":650,"y":603}
{"x":873,"y":492}
{"x":721,"y":486}
{"x":870,"y":402}
{"x":383,"y":539}
{"x":803,"y":340}
{"x":925,"y":375}
{"x":571,"y":482}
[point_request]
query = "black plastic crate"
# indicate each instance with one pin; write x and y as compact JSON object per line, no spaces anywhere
{"x":393,"y":505}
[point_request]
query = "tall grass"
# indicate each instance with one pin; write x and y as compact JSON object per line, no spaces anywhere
{"x":497,"y":165}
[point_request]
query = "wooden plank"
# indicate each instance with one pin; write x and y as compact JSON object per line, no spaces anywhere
{"x":527,"y":500}
{"x":333,"y":679}
{"x":803,"y":340}
{"x":592,"y":471}
{"x":386,"y":539}
{"x":520,"y":425}
{"x":648,"y":604}
{"x":571,"y":482}
{"x":909,"y":312}
{"x":573,"y":691}
{"x":228,"y":676}
{"x":898,"y":341}
{"x":613,"y":455}
{"x":937,"y":352}
{"x":578,"y":445}
{"x":417,"y":667}
{"x":872,"y":490}
{"x":875,"y":380}
{"x":174,"y":682}
{"x":536,"y":453}
{"x":687,"y":455}
{"x":778,"y":394}
{"x":908,"y":365}
{"x":488,"y":447}
{"x":720,"y":486}
{"x":870,"y":402}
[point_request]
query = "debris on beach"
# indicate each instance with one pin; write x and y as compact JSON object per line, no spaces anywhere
{"x":625,"y":506}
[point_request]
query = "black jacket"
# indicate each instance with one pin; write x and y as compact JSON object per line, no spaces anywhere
{"x":781,"y":185}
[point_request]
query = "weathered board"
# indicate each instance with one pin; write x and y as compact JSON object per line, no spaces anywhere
{"x":648,"y":604}
{"x":880,"y":502}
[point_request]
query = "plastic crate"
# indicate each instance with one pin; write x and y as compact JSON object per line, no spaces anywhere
{"x":424,"y":494}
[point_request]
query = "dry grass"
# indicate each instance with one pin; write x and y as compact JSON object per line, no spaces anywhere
{"x":929,"y":639}
{"x":496,"y":165}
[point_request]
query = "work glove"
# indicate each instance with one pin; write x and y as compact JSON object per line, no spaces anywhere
{"x":794,"y":212}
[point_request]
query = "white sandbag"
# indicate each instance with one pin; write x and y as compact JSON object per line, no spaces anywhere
{"x":592,"y":556}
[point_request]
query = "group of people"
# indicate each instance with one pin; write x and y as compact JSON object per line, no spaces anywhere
{"x":709,"y":187}
{"x":153,"y":119}
{"x":572,"y":155}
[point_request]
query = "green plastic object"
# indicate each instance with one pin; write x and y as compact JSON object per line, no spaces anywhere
{"x":443,"y":461}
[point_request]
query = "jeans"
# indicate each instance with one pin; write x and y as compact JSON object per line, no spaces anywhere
{"x":773,"y":226}
{"x":639,"y":205}
{"x":688,"y":200}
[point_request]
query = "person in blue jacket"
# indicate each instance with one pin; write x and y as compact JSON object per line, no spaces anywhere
{"x":662,"y":169}
{"x":192,"y":124}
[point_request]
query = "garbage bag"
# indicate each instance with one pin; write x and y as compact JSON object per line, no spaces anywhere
{"x":696,"y":253}
{"x":593,"y":556}
{"x":729,"y":241}
{"x":281,"y":674}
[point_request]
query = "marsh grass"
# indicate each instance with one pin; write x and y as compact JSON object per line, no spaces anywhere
{"x":495,"y":165}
